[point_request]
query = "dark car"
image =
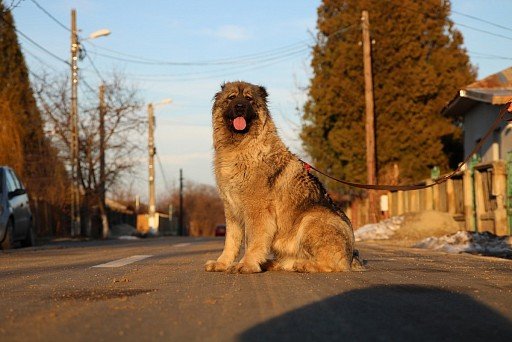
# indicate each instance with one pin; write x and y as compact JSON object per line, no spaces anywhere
{"x":15,"y":215}
{"x":220,"y":230}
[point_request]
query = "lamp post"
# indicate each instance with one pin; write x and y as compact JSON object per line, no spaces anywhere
{"x":152,"y":222}
{"x":75,"y":172}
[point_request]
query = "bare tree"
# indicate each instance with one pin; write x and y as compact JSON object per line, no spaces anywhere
{"x":123,"y":124}
{"x":202,"y":208}
{"x":9,"y":5}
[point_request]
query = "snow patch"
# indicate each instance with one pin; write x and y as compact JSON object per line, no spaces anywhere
{"x":382,"y":230}
{"x":469,"y":242}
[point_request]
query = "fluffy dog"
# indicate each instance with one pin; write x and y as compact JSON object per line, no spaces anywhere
{"x":269,"y":196}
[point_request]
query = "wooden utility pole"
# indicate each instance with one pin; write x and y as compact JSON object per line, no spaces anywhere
{"x":370,"y":118}
{"x":75,"y":187}
{"x":104,"y":219}
{"x":151,"y":148}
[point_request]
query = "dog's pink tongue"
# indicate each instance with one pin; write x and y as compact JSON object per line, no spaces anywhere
{"x":239,"y":123}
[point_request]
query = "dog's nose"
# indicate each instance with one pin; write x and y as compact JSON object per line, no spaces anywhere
{"x":239,"y":107}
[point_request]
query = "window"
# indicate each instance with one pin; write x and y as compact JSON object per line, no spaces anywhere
{"x":11,"y":185}
{"x":17,"y":182}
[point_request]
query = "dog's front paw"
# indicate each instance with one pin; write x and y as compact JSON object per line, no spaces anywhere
{"x":215,"y":266}
{"x":244,"y":267}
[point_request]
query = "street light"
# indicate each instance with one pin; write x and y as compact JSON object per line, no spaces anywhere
{"x":97,"y":34}
{"x":152,"y":222}
{"x":75,"y":50}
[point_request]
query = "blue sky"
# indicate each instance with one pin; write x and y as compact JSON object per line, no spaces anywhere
{"x":279,"y":32}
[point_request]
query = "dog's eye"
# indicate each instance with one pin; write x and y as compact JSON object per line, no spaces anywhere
{"x":248,"y":97}
{"x":231,"y":97}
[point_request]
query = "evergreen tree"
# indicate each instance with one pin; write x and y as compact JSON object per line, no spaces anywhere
{"x":418,"y":64}
{"x":21,"y":121}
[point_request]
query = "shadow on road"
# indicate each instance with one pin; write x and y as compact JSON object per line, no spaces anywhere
{"x":388,"y":313}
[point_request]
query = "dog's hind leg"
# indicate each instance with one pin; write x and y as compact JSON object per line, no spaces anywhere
{"x":327,"y":244}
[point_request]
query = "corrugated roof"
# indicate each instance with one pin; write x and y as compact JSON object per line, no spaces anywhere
{"x":495,"y":89}
{"x":500,"y":80}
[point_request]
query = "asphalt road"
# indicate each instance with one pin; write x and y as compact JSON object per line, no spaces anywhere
{"x":54,"y":293}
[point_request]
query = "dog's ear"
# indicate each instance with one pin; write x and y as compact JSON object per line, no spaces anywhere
{"x":263,"y":92}
{"x":217,"y":95}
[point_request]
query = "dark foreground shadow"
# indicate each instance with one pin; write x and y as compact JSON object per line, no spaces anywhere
{"x":388,"y":313}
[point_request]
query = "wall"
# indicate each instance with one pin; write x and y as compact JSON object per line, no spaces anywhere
{"x":476,"y":123}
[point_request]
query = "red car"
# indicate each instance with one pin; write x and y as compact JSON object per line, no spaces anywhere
{"x":220,"y":230}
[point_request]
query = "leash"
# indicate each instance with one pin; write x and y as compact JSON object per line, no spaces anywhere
{"x":501,"y":116}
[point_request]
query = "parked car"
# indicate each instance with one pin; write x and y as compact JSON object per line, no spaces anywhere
{"x":220,"y":230}
{"x":15,"y":215}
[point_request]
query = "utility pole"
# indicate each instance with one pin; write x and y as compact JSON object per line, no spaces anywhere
{"x":151,"y":147}
{"x":104,"y":219}
{"x":370,"y":118}
{"x":182,"y":228}
{"x":75,"y":187}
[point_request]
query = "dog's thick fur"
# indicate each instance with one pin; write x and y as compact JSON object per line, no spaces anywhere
{"x":269,"y":196}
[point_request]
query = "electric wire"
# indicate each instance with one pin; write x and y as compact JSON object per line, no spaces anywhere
{"x":34,"y":42}
{"x":216,"y":74}
{"x":39,"y":59}
{"x":95,"y":68}
{"x":484,"y":31}
{"x":482,"y":20}
{"x":487,"y":56}
{"x":428,"y":15}
{"x":246,"y":59}
{"x":162,"y":171}
{"x":51,"y":16}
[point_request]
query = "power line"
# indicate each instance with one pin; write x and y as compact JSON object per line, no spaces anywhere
{"x":245,"y":59}
{"x":87,"y":85}
{"x":50,"y":15}
{"x":162,"y":171}
{"x":482,"y":20}
{"x":487,"y":56}
{"x":484,"y":31}
{"x":41,"y":47}
{"x":212,"y":74}
{"x":94,"y":67}
{"x":33,"y":42}
{"x":39,"y":59}
{"x":428,"y":15}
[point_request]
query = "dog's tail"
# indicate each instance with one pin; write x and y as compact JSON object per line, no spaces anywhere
{"x":358,"y":264}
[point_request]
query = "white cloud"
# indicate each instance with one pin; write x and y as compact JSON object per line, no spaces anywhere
{"x":229,"y":32}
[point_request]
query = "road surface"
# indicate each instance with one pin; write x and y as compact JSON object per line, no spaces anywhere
{"x":156,"y":289}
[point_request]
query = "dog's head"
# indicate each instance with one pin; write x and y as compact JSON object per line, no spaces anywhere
{"x":240,"y":107}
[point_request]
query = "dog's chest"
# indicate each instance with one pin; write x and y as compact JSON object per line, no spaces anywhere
{"x":240,"y":173}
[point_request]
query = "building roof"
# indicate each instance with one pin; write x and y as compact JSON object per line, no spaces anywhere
{"x":495,"y":89}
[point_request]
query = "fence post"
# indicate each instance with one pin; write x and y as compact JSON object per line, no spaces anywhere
{"x":450,"y":197}
{"x":479,"y":199}
{"x":400,"y":202}
{"x":390,"y":203}
{"x":436,"y":197}
{"x":469,"y":215}
{"x":499,"y":181}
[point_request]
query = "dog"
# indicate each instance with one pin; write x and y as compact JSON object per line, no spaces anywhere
{"x":270,"y":199}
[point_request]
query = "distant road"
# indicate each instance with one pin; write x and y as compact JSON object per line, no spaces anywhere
{"x":156,"y":289}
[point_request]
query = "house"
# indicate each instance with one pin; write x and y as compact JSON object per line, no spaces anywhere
{"x":479,"y":104}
